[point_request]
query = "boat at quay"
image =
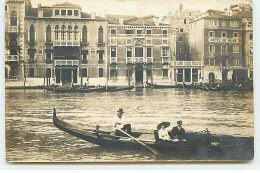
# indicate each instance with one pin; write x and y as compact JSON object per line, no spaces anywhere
{"x":218,"y":147}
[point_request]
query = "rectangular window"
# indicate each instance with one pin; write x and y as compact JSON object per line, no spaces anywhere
{"x":149,"y":73}
{"x":148,"y":41}
{"x":251,"y":51}
{"x":234,"y":23}
{"x":223,"y":23}
{"x":149,"y":32}
{"x":129,"y":52}
{"x":165,"y":52}
{"x":235,"y":34}
{"x":138,"y":52}
{"x":149,"y":52}
{"x":181,"y":30}
{"x":165,"y":32}
{"x":250,"y":36}
{"x":6,"y":8}
{"x":84,"y":72}
{"x":100,"y":57}
{"x":31,"y":56}
{"x":129,"y":32}
{"x":236,"y":49}
{"x":92,"y":53}
{"x":100,"y":72}
{"x":211,"y":48}
{"x":31,"y":72}
{"x":76,"y":12}
{"x":69,"y":12}
{"x":213,"y":23}
{"x":113,"y":73}
{"x":63,"y":12}
{"x":85,"y":57}
{"x":223,"y":49}
{"x":48,"y":72}
{"x":138,"y":32}
{"x":165,"y":72}
{"x":224,"y":34}
{"x":48,"y":57}
{"x":236,"y":62}
{"x":180,"y":38}
{"x":211,"y":62}
{"x":184,"y":21}
{"x":165,"y":42}
{"x":113,"y":31}
{"x":113,"y":52}
{"x":211,"y":34}
{"x":57,"y":12}
{"x":40,"y":52}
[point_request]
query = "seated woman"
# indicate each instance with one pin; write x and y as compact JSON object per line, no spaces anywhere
{"x":162,"y":132}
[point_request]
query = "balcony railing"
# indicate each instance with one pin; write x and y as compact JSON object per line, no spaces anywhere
{"x":11,"y":57}
{"x":13,"y":29}
{"x":149,"y":60}
{"x":66,"y":62}
{"x":139,"y":59}
{"x":166,"y":60}
{"x":113,"y":60}
{"x":129,"y":60}
{"x":188,"y":63}
{"x":67,"y":43}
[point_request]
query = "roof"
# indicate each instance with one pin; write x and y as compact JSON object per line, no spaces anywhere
{"x":244,"y":14}
{"x":66,"y":4}
{"x":88,"y":16}
{"x":133,"y":20}
{"x":214,"y":14}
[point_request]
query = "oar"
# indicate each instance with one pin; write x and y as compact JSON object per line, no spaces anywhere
{"x":146,"y":146}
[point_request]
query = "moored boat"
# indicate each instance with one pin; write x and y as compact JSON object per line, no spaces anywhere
{"x":239,"y":148}
{"x":113,"y":89}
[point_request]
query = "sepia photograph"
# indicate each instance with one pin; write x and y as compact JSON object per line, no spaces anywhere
{"x":119,"y":81}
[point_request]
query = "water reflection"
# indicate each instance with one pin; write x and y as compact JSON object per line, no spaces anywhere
{"x":31,"y":135}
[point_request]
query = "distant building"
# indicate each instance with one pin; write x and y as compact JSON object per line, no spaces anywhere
{"x":59,"y":44}
{"x":138,"y":50}
{"x":216,"y":39}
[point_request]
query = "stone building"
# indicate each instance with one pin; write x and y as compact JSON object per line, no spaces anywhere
{"x":216,"y":39}
{"x":138,"y":51}
{"x":63,"y":45}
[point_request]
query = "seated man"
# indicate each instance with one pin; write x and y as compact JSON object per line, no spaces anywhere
{"x":162,"y":132}
{"x":118,"y":124}
{"x":178,"y":132}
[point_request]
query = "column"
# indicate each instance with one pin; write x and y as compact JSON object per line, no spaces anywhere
{"x":72,"y":76}
{"x":191,"y":75}
{"x":60,"y":76}
{"x":183,"y":75}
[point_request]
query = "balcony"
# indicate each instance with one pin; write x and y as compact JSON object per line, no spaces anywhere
{"x":149,"y":60}
{"x":113,"y":60}
{"x":129,"y":60}
{"x":188,"y":63}
{"x":66,"y":43}
{"x":13,"y":58}
{"x":166,"y":60}
{"x":66,"y":62}
{"x":139,"y":60}
{"x":13,"y":29}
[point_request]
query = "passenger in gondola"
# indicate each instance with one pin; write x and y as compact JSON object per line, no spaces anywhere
{"x":163,"y":134}
{"x":119,"y":124}
{"x":178,"y":133}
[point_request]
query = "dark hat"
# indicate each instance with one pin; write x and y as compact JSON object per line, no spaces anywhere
{"x":166,"y":124}
{"x":179,"y":122}
{"x":120,"y":110}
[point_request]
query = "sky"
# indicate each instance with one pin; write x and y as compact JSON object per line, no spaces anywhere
{"x":142,"y":7}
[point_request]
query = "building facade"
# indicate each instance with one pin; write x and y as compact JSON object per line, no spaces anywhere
{"x":139,"y":51}
{"x":216,"y":39}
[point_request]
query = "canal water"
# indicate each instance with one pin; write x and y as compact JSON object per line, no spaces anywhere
{"x":32,"y":137}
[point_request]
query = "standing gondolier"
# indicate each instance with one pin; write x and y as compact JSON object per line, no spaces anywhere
{"x":119,"y":124}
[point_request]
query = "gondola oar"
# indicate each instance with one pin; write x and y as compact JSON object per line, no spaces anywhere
{"x":146,"y":146}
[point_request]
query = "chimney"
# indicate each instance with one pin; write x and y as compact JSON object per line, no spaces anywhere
{"x":156,"y":21}
{"x":180,"y":7}
{"x":121,"y":20}
{"x":93,"y":15}
{"x":40,"y":11}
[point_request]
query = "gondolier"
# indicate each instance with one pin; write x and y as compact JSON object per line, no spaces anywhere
{"x":119,"y":124}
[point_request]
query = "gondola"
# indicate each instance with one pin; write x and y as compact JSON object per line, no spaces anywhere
{"x":75,"y":89}
{"x":155,"y":86}
{"x":242,"y":147}
{"x":114,"y":89}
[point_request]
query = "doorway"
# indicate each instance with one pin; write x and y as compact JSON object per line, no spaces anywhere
{"x":139,"y":74}
{"x":211,"y":78}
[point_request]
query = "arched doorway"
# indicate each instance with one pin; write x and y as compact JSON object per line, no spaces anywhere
{"x":211,"y":78}
{"x":139,"y":74}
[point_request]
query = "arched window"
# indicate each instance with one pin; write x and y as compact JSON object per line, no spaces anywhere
{"x":84,"y":34}
{"x":32,"y":34}
{"x":69,"y":33}
{"x":63,"y":32}
{"x":48,"y":33}
{"x":100,"y":35}
{"x":56,"y":32}
{"x":13,"y":18}
{"x":76,"y":32}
